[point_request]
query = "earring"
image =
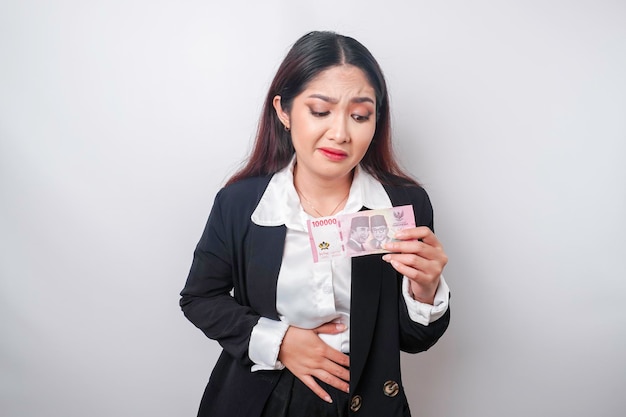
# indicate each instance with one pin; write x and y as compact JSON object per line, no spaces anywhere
{"x":287,"y":129}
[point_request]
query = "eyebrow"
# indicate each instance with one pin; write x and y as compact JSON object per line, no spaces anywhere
{"x":335,"y":101}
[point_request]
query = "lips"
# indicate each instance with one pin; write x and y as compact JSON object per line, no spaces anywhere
{"x":333,"y":154}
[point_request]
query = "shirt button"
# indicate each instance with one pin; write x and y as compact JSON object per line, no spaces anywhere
{"x":391,"y":388}
{"x":356,"y":402}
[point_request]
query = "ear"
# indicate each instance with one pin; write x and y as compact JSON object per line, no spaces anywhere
{"x":282,"y":115}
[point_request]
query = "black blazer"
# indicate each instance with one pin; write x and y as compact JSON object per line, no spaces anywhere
{"x":235,"y":254}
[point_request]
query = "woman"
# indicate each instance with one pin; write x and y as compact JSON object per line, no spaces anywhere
{"x":315,"y":339}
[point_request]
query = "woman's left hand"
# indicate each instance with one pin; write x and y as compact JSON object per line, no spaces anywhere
{"x":418,"y":256}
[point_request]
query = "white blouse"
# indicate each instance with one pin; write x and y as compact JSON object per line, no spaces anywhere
{"x":310,"y":294}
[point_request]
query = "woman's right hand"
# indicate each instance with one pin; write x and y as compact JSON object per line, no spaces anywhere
{"x":307,"y":356}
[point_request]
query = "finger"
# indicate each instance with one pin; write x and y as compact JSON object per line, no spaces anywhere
{"x":418,"y":233}
{"x":338,"y":357}
{"x":331,"y":328}
{"x":415,"y":267}
{"x":338,"y":371}
{"x":402,"y":267}
{"x":416,"y":247}
{"x":310,"y":382}
{"x":332,"y":380}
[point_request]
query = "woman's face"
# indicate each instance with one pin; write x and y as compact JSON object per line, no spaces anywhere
{"x":332,"y":122}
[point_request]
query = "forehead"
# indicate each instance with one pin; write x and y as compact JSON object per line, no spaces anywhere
{"x":341,"y":81}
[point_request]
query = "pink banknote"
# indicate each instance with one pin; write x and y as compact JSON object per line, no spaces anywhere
{"x":357,"y":234}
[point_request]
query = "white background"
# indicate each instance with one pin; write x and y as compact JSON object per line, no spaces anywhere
{"x":120,"y":120}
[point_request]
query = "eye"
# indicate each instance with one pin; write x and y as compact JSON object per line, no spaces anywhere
{"x":320,"y":113}
{"x":361,"y":118}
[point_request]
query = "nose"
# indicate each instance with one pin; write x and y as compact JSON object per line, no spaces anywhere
{"x":339,"y":129}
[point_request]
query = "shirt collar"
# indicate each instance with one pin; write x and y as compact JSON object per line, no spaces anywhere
{"x":280,"y":204}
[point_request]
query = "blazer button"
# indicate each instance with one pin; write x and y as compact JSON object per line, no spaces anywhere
{"x":356,"y":402}
{"x":391,"y":388}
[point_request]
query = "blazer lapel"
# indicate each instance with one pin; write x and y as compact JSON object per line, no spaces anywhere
{"x":265,"y":251}
{"x":366,"y":282}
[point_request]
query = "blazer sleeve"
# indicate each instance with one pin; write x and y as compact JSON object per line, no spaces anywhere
{"x":416,"y":337}
{"x":207,"y":299}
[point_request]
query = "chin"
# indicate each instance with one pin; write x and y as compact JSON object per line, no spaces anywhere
{"x":333,"y":174}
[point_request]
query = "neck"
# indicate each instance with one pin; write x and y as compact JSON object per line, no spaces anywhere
{"x":320,"y":197}
{"x":319,"y":188}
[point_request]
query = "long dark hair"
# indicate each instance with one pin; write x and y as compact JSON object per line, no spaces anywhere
{"x":309,"y":56}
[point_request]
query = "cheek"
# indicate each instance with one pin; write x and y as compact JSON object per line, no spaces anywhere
{"x":303,"y":131}
{"x":364,"y":139}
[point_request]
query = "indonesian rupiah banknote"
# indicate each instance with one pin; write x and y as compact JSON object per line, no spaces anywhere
{"x":357,"y":234}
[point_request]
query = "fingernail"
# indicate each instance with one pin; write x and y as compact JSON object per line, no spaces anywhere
{"x":328,"y":399}
{"x":341,"y":327}
{"x":386,"y":258}
{"x":399,"y":234}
